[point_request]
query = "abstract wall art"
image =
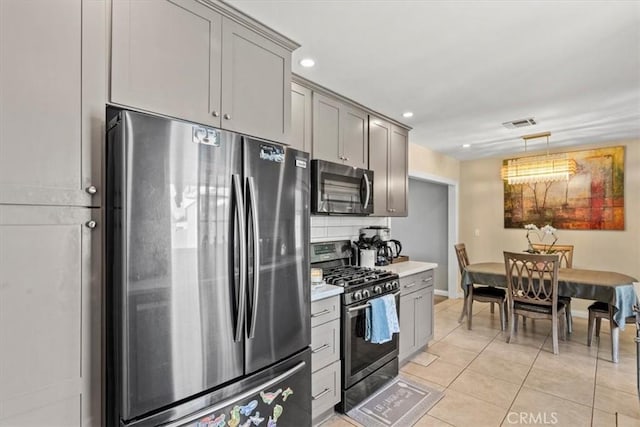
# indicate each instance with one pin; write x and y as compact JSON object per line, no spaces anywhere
{"x":592,"y":199}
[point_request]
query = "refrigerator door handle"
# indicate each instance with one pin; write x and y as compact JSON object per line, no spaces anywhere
{"x":242,"y":291}
{"x":236,"y":398}
{"x":256,"y":255}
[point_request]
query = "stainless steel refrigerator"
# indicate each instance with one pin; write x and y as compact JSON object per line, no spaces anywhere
{"x":207,"y":274}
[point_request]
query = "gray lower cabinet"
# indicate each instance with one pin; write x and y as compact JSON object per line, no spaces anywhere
{"x":388,"y":150}
{"x":416,"y":313}
{"x":52,"y":86}
{"x":184,"y":59}
{"x":340,"y":132}
{"x":301,"y":117}
{"x":325,"y":357}
{"x":50,"y":316}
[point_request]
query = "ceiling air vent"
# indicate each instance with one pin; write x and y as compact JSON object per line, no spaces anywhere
{"x":519,"y":123}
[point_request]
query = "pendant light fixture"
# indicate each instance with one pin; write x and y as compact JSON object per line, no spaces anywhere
{"x":547,"y":168}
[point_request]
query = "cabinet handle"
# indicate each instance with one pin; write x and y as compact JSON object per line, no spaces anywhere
{"x":410,"y":285}
{"x":91,"y":224}
{"x":428,"y":279}
{"x":321,"y":348}
{"x":227,"y":116}
{"x":215,"y":114}
{"x":420,"y":297}
{"x":91,"y":189}
{"x":322,"y":393}
{"x":321,"y":313}
{"x":346,"y":159}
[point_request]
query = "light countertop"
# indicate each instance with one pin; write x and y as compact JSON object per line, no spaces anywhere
{"x":319,"y":292}
{"x":408,"y":268}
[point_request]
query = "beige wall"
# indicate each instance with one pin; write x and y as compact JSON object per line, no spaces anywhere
{"x":481,"y":212}
{"x":426,"y":161}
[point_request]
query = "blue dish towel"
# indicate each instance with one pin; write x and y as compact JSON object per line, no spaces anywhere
{"x":381,"y":320}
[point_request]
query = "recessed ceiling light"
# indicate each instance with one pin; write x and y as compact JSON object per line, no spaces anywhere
{"x":307,"y":62}
{"x":407,"y":114}
{"x":466,"y":145}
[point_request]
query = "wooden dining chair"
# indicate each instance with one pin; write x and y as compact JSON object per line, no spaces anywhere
{"x":479,"y":293}
{"x":601,"y":310}
{"x":565,"y":252}
{"x":532,"y":291}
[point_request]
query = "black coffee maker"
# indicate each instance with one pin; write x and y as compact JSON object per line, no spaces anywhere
{"x":377,"y":238}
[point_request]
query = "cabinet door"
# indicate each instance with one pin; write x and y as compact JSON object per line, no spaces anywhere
{"x":398,"y":170}
{"x":326,"y":128}
{"x":407,"y":326}
{"x":50,"y":316}
{"x":355,"y":137}
{"x":300,"y":137}
{"x":424,"y":316}
{"x":379,"y":136}
{"x":52,"y":86}
{"x":256,"y":79}
{"x":165,"y":58}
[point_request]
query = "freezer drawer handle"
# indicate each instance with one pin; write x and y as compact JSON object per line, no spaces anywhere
{"x":237,"y":397}
{"x":321,"y":348}
{"x":322,"y":393}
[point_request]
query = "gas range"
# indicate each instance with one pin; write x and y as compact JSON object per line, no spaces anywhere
{"x":360,"y":283}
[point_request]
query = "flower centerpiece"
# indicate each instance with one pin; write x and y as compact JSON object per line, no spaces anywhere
{"x":542,"y":233}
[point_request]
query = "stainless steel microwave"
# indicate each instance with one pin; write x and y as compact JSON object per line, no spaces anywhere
{"x":340,"y":190}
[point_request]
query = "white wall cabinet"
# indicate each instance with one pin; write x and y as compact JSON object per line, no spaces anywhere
{"x":53,"y":93}
{"x":183,"y":59}
{"x":50,"y":316}
{"x":388,"y":150}
{"x":416,"y":313}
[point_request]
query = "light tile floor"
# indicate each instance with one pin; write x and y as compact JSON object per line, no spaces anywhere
{"x":487,"y":382}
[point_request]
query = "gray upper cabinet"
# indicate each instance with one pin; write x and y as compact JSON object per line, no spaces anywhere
{"x":52,"y":86}
{"x":339,"y":132}
{"x":165,"y":58}
{"x":50,"y":311}
{"x":183,"y":59}
{"x":301,"y":117}
{"x":398,"y":171}
{"x":256,"y":78}
{"x":388,"y":147}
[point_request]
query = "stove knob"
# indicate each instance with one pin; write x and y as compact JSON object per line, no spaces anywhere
{"x":377,"y":289}
{"x":395,"y":284}
{"x":357,"y":295}
{"x":366,"y":293}
{"x":388,"y":286}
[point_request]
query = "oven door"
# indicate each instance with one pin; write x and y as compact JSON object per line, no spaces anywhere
{"x":339,"y":189}
{"x":362,"y":357}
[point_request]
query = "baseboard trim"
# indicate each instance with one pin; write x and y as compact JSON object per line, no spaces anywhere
{"x":441,"y":292}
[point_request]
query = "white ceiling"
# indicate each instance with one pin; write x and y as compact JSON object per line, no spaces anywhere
{"x":465,"y":67}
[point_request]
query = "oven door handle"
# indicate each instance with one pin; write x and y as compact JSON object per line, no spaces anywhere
{"x":360,"y":307}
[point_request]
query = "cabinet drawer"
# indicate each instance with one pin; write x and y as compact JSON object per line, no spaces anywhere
{"x":325,"y":344}
{"x":325,"y":310}
{"x":325,"y":389}
{"x":415,"y":282}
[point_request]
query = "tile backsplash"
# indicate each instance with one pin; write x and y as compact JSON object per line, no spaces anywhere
{"x":325,"y":228}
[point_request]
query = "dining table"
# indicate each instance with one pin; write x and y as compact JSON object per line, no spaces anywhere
{"x":615,"y":289}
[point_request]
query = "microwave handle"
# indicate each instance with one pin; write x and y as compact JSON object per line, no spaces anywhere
{"x":368,"y":188}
